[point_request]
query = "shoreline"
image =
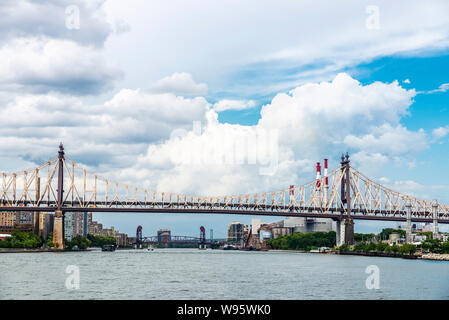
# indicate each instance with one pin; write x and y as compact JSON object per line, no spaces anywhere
{"x":427,"y":256}
{"x":435,"y":256}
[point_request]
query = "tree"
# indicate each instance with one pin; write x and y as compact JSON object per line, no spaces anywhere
{"x":395,"y":248}
{"x":343,"y":247}
{"x":49,"y":242}
{"x":362,"y":246}
{"x":407,"y":249}
{"x":432,"y":245}
{"x":98,"y":241}
{"x":79,"y":241}
{"x":381,"y":246}
{"x":22,"y":240}
{"x":303,"y":241}
{"x":445,"y":247}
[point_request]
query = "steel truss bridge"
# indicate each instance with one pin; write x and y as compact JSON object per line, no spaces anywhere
{"x":61,"y":185}
{"x":175,"y":239}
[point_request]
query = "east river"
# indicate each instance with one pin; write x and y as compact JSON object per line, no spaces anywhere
{"x":216,"y":274}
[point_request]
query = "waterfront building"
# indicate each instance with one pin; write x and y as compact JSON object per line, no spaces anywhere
{"x":7,"y":222}
{"x":280,"y":231}
{"x":121,"y":239}
{"x":23,"y":218}
{"x":76,"y":224}
{"x":306,"y":225}
{"x":95,"y":228}
{"x":265,"y":234}
{"x":255,"y":225}
{"x":236,"y":231}
{"x":395,"y":238}
{"x":69,"y":225}
{"x":46,"y":224}
{"x":163,"y":235}
{"x":7,"y":218}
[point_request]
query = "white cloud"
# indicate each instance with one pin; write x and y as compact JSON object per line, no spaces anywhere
{"x":179,"y":83}
{"x":442,"y":88}
{"x":120,"y":128}
{"x":227,"y":104}
{"x":153,"y":140}
{"x":314,"y":120}
{"x":407,"y":81}
{"x":251,"y":56}
{"x":389,"y":140}
{"x":440,"y":132}
{"x":25,"y":18}
{"x":43,"y":64}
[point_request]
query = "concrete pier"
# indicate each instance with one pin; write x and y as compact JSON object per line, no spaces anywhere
{"x":58,"y":231}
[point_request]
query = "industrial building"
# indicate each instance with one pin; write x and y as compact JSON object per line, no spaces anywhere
{"x":236,"y":231}
{"x":163,"y":235}
{"x":306,"y":225}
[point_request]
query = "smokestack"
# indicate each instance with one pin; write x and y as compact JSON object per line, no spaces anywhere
{"x":318,"y":175}
{"x":292,"y":197}
{"x":326,"y":181}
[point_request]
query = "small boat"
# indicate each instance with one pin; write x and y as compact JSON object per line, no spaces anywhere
{"x":230,"y":247}
{"x":108,"y":247}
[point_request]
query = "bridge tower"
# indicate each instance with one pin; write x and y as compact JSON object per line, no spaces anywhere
{"x":139,"y":237}
{"x":345,"y":234}
{"x":202,"y":244}
{"x":58,"y":227}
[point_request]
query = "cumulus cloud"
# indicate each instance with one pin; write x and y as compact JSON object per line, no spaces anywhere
{"x":25,"y":18}
{"x":389,"y":140}
{"x":173,"y":143}
{"x":228,"y":104}
{"x":440,"y":132}
{"x":43,"y":65}
{"x":314,"y":120}
{"x":119,"y":128}
{"x":179,"y":83}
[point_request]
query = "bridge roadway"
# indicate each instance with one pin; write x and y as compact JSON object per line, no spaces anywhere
{"x":236,"y":209}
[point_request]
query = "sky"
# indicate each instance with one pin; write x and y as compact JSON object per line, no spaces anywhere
{"x":225,"y":97}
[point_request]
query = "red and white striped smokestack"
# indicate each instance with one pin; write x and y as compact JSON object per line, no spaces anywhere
{"x":318,"y":174}
{"x":292,"y":190}
{"x":326,"y":181}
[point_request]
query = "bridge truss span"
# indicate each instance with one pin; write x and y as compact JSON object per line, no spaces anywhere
{"x":62,"y":184}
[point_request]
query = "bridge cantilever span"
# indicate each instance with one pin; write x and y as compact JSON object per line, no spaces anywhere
{"x":61,"y":185}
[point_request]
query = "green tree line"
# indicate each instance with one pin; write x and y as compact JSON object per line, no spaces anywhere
{"x":22,"y":240}
{"x":405,"y":249}
{"x":98,"y":241}
{"x":303,"y":241}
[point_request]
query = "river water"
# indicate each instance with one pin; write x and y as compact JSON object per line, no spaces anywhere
{"x":216,"y":274}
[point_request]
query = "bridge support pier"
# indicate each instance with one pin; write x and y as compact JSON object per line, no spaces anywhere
{"x":408,"y":228}
{"x":349,"y":231}
{"x":58,"y":230}
{"x":340,"y":232}
{"x":436,"y":234}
